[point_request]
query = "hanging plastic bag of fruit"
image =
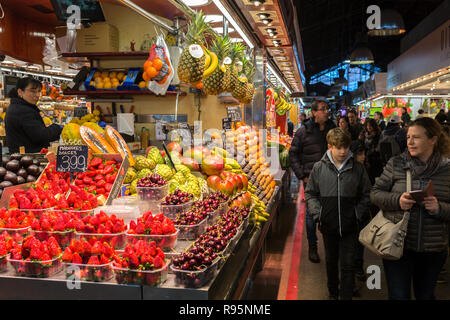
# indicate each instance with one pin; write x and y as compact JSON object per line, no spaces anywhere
{"x":158,"y":70}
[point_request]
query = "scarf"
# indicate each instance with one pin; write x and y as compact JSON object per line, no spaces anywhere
{"x":421,"y":169}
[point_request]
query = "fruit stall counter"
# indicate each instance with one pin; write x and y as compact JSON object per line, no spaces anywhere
{"x":228,"y":281}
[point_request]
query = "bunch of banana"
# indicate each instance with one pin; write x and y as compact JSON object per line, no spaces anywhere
{"x":258,"y":213}
{"x":211,"y":62}
{"x":282,"y":106}
{"x":251,"y":188}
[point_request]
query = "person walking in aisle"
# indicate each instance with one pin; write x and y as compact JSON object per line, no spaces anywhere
{"x":426,"y":242}
{"x":344,"y":124}
{"x":308,"y":147}
{"x":290,"y":130}
{"x":378,"y":116}
{"x":405,"y":116}
{"x":372,"y":137}
{"x":337,"y":194}
{"x":392,"y":141}
{"x":355,"y":126}
{"x":441,"y":117}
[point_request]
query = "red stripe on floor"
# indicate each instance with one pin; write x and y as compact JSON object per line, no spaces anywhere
{"x":292,"y":286}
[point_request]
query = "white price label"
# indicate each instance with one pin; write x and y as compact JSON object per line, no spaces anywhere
{"x":196,"y":51}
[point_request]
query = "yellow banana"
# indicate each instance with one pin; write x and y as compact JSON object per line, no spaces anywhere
{"x":207,"y":58}
{"x":212,"y":66}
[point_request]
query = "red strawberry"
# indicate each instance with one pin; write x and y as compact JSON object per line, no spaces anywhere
{"x":146,"y":258}
{"x":108,"y":251}
{"x":35,"y":225}
{"x":101,"y":229}
{"x":118,"y":227}
{"x":35,"y":253}
{"x":133,"y":261}
{"x":97,"y":248}
{"x":93,"y":260}
{"x":158,"y":262}
{"x":104,"y":259}
{"x":86,"y":248}
{"x":46,"y":257}
{"x":67,"y":255}
{"x":140,"y":228}
{"x":132,"y":225}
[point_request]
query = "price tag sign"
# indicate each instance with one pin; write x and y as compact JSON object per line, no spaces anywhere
{"x":79,"y":112}
{"x":234,"y":113}
{"x":72,"y":158}
{"x":226,"y":123}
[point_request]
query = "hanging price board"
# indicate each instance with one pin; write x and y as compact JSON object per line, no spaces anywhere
{"x":234,"y":113}
{"x":72,"y":158}
{"x":226,"y":123}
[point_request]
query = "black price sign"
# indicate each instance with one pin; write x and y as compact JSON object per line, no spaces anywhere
{"x":226,"y":123}
{"x":72,"y":158}
{"x":79,"y":112}
{"x":234,"y":113}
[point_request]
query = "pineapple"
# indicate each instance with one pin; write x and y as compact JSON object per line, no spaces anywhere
{"x":231,"y":73}
{"x":240,"y":90}
{"x":214,"y":84}
{"x":190,"y":69}
{"x":250,"y":73}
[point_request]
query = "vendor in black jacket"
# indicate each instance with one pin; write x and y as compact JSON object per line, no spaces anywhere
{"x":308,"y":147}
{"x":23,"y":123}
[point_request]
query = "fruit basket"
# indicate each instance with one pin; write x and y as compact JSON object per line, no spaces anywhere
{"x":165,"y":242}
{"x":17,"y":234}
{"x":63,"y":237}
{"x":153,"y":194}
{"x":89,"y":272}
{"x":37,"y":269}
{"x":79,"y":213}
{"x":171,"y":211}
{"x":4,"y":263}
{"x":191,"y":232}
{"x":141,"y":277}
{"x":195,"y":279}
{"x":115,"y":240}
{"x":214,"y":216}
{"x":36,"y":212}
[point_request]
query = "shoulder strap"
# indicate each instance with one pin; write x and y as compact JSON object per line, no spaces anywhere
{"x":408,"y":180}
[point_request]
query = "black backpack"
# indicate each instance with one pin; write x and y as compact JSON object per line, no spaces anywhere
{"x":389,"y":147}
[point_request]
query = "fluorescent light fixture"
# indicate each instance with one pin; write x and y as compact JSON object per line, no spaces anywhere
{"x":230,"y":19}
{"x":196,"y":3}
{"x":278,"y":78}
{"x":213,"y":18}
{"x":220,"y":30}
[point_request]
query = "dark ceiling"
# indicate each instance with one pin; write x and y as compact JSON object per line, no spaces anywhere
{"x":329,"y":28}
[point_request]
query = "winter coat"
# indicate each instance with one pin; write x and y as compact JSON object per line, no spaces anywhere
{"x":400,"y":135}
{"x":426,"y":232}
{"x":308,"y":146}
{"x":24,"y":126}
{"x":338,"y":199}
{"x":355,"y":130}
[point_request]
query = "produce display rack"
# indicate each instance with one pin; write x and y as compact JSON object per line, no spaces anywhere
{"x":111,"y":93}
{"x":229,"y":282}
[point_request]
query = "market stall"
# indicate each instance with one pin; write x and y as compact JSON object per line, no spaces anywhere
{"x":136,"y":201}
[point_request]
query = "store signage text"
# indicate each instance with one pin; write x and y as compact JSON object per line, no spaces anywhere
{"x":74,"y":21}
{"x":374,"y":20}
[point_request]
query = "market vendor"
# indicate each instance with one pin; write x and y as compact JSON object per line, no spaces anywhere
{"x":23,"y":123}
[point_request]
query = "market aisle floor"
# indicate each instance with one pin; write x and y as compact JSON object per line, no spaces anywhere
{"x":289,"y":275}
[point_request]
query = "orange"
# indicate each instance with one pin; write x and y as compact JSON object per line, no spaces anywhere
{"x":99,"y":85}
{"x":152,"y":72}
{"x":142,"y":84}
{"x":157,"y":63}
{"x":148,"y":64}
{"x":145,"y":76}
{"x":108,"y":85}
{"x":120,"y":75}
{"x":199,"y":85}
{"x":113,"y":74}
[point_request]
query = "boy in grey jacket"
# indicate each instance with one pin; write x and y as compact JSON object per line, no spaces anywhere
{"x":338,"y":196}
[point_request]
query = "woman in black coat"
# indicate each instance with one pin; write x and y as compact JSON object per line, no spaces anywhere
{"x":24,"y":125}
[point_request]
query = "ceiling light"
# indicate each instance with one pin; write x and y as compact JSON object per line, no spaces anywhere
{"x":257,"y":3}
{"x":196,"y":3}
{"x":391,"y":24}
{"x":361,"y":55}
{"x":263,"y":15}
{"x":220,"y":30}
{"x":230,"y":19}
{"x":267,"y":21}
{"x":271,"y":30}
{"x":273,"y":35}
{"x":213,"y":18}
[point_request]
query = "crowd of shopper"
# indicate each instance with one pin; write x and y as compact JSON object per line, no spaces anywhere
{"x":351,"y":172}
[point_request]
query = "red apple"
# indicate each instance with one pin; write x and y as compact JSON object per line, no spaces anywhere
{"x":213,"y":182}
{"x":244,"y":181}
{"x":190,"y":163}
{"x":226,"y":187}
{"x":212,"y":165}
{"x":238,"y":182}
{"x":226,"y":174}
{"x":175,"y":146}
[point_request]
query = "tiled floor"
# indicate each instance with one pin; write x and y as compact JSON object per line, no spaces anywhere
{"x":274,"y":281}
